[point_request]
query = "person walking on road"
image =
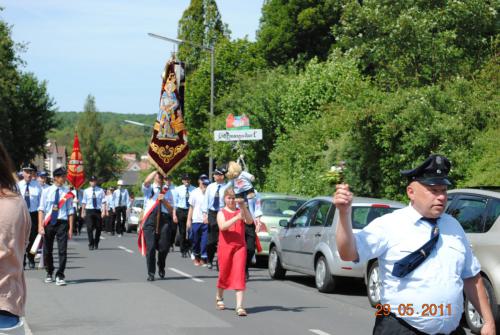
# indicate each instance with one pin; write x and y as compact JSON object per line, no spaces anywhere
{"x":212,"y":202}
{"x":182,"y":195}
{"x":120,"y":201}
{"x":32,"y":192}
{"x":109,"y":213}
{"x":232,"y":252}
{"x":425,"y":258}
{"x":55,"y":221}
{"x":199,"y":229}
{"x":92,"y":201}
{"x":15,"y":231}
{"x":42,"y":179}
{"x":158,"y":223}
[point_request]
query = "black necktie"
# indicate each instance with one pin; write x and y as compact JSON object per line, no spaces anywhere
{"x":94,"y":198}
{"x":27,"y":196}
{"x":120,"y":199}
{"x":187,"y":196}
{"x":55,"y":208}
{"x":412,"y":261}
{"x":216,"y":199}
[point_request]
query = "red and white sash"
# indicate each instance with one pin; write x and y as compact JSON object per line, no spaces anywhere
{"x":141,"y":240}
{"x":46,"y":221}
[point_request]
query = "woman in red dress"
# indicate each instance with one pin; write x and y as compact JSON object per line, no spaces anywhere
{"x":232,"y":251}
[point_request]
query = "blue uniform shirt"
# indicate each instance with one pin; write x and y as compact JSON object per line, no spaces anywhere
{"x":151,"y":194}
{"x":437,"y":281}
{"x":208,"y":200}
{"x":35,"y":193}
{"x":124,"y":199}
{"x":47,"y":201}
{"x":180,"y":196}
{"x":87,"y":197}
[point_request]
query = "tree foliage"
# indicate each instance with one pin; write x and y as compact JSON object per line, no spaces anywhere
{"x":413,"y":43}
{"x":297,"y":29}
{"x":99,"y":152}
{"x":26,"y":109}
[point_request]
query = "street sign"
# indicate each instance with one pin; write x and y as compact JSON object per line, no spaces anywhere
{"x":238,"y":135}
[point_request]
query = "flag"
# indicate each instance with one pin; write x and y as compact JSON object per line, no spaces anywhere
{"x":169,"y":144}
{"x":76,"y":175}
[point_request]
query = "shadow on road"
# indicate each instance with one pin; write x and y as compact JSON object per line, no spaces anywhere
{"x":90,"y":280}
{"x":259,"y":309}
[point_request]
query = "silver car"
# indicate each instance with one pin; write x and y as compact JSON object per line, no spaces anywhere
{"x":135,"y":216}
{"x":307,"y":242}
{"x":478,"y":212}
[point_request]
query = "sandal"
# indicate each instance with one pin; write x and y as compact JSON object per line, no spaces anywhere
{"x":240,"y":311}
{"x":219,"y":303}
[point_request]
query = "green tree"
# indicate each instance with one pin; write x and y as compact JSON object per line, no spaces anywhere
{"x":420,"y":42}
{"x":297,"y":29}
{"x":26,"y":110}
{"x":99,"y":152}
{"x":200,"y":24}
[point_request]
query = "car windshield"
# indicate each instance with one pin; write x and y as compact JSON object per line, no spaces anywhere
{"x":280,"y":207}
{"x":363,"y":215}
{"x":138,"y":203}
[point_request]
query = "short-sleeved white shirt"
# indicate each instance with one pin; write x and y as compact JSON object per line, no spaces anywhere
{"x":437,"y":281}
{"x":196,"y":201}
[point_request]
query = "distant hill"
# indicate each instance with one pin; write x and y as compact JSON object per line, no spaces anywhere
{"x":128,"y":138}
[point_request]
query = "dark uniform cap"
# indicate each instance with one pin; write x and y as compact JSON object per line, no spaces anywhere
{"x":220,"y":170}
{"x":203,"y":176}
{"x":42,"y":174}
{"x":185,"y":176}
{"x":434,"y":171}
{"x":59,"y":172}
{"x":29,"y":166}
{"x":93,"y":178}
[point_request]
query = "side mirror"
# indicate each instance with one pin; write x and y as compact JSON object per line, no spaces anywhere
{"x":283,"y":223}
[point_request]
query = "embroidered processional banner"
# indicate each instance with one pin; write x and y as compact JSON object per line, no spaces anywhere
{"x":169,"y":144}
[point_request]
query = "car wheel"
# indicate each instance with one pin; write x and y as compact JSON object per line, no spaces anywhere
{"x":373,"y":284}
{"x":276,"y":271}
{"x":472,"y":317}
{"x":323,"y":278}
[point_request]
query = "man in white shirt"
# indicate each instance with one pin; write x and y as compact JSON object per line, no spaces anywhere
{"x":424,"y":257}
{"x":120,"y":202}
{"x":199,"y":229}
{"x":32,"y":193}
{"x":92,"y":201}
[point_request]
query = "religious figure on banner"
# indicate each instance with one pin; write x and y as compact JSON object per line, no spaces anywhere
{"x":168,"y":147}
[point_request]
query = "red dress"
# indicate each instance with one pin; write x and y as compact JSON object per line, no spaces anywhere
{"x":232,"y":254}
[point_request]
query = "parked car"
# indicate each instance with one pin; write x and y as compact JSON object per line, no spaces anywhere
{"x":478,"y":213}
{"x":135,"y":217}
{"x":307,"y":242}
{"x":275,"y":207}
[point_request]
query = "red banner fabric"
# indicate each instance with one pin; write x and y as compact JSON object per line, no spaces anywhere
{"x":76,"y":175}
{"x":169,"y":144}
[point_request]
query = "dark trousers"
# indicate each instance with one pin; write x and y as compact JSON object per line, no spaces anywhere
{"x":199,"y":233}
{"x":57,"y":231}
{"x":109,"y":222}
{"x":392,"y":325}
{"x":157,"y":242}
{"x":94,"y":222}
{"x":121,"y":217}
{"x":213,"y":235}
{"x":181,"y":223}
{"x":250,"y":239}
{"x":33,"y":233}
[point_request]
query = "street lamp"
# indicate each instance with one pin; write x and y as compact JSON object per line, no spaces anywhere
{"x":212,"y":80}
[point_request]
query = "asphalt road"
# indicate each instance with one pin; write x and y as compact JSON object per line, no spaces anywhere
{"x":107,"y":293}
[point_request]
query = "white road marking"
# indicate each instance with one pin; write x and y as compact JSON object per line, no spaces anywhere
{"x":102,"y":238}
{"x":27,"y":329}
{"x":186,"y":275}
{"x":318,"y":332}
{"x":125,"y":249}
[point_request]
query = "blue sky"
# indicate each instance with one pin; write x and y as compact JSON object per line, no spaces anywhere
{"x":101,"y":47}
